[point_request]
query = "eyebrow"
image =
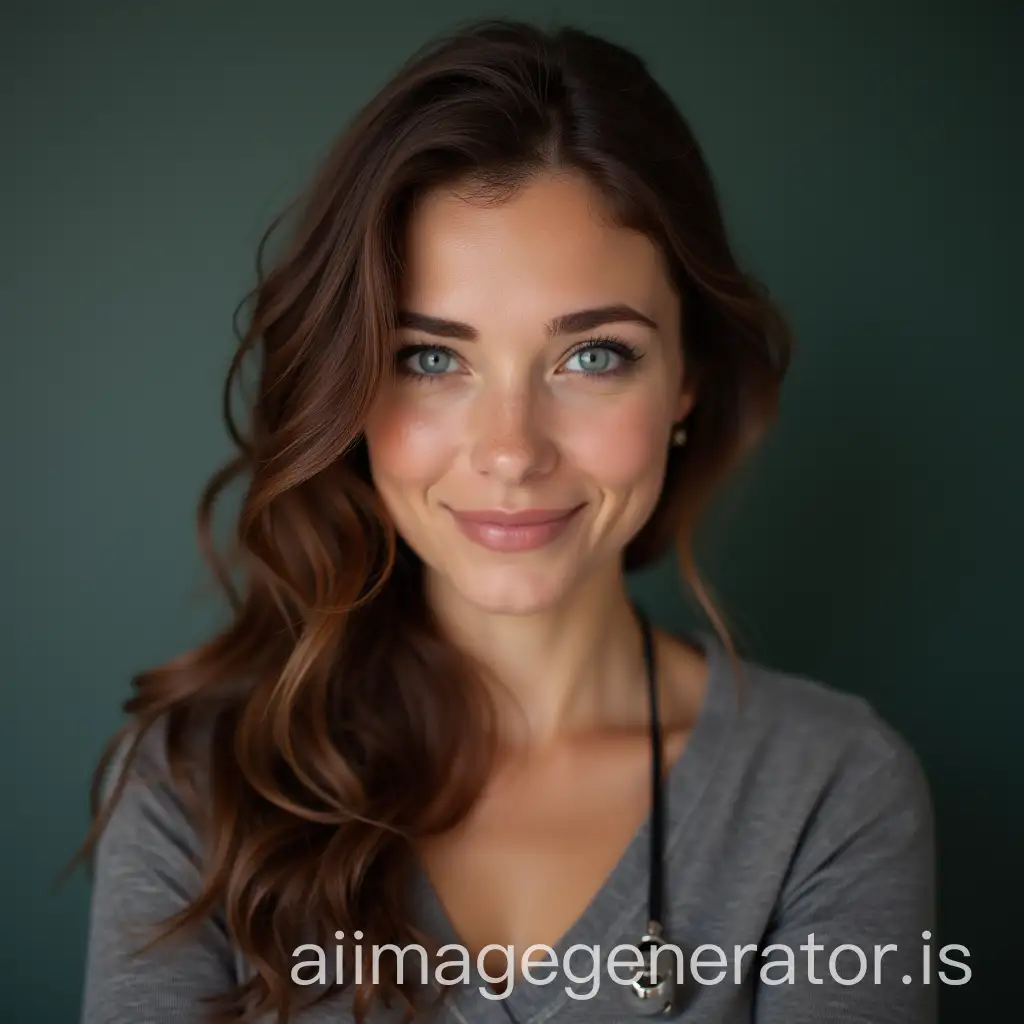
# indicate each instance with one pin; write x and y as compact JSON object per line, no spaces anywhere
{"x":567,"y":323}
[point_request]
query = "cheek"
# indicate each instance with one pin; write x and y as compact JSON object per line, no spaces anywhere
{"x":407,"y":448}
{"x":621,"y":448}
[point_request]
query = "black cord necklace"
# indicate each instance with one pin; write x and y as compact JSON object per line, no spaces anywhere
{"x":653,"y":991}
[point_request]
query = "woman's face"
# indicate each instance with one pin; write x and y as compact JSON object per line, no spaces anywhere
{"x":539,"y":367}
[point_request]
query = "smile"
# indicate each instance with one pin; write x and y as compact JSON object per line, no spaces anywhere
{"x":526,"y":530}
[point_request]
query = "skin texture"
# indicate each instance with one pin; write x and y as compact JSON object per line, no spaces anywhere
{"x":518,"y":418}
{"x":515,"y":420}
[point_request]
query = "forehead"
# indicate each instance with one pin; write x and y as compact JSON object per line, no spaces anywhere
{"x":550,"y":247}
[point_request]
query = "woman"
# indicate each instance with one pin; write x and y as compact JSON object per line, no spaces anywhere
{"x":504,"y":359}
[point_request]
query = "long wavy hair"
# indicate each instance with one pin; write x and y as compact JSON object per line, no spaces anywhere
{"x":340,"y":725}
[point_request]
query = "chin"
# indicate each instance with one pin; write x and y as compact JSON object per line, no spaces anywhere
{"x":508,"y":590}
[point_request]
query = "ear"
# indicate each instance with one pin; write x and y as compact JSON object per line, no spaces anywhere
{"x":687,"y":399}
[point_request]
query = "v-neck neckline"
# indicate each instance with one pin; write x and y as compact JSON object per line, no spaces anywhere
{"x":618,"y":908}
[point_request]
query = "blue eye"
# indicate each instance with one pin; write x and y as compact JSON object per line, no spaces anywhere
{"x":604,"y":357}
{"x":424,"y":360}
{"x":594,"y":359}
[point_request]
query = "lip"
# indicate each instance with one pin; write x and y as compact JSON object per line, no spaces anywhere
{"x":521,"y":530}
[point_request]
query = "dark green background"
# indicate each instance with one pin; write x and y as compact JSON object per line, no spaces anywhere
{"x":869,"y":166}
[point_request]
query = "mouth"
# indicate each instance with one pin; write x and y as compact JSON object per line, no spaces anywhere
{"x":524,"y":530}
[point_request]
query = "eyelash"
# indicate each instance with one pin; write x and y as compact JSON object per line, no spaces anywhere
{"x":629,"y":355}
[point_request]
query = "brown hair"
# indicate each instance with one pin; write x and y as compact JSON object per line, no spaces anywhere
{"x":340,"y":725}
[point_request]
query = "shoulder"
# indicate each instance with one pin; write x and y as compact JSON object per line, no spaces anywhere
{"x":143,"y":782}
{"x":807,"y":719}
{"x":812,"y":747}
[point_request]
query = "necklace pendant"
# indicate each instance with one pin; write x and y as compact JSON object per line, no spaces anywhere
{"x":653,"y":991}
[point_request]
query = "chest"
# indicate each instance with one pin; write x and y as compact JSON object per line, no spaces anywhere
{"x":540,"y":845}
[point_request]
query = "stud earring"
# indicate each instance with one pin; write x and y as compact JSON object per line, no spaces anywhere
{"x":679,"y":435}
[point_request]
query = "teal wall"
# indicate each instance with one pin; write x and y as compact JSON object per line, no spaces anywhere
{"x":870,"y":169}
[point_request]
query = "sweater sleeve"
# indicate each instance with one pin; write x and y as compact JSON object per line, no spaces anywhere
{"x":146,"y":867}
{"x":863,"y":876}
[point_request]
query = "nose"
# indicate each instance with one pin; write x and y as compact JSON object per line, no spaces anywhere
{"x":510,"y":439}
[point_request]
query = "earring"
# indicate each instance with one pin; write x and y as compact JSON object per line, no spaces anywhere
{"x":679,"y":435}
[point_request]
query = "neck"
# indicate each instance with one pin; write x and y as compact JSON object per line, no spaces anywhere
{"x":574,"y":669}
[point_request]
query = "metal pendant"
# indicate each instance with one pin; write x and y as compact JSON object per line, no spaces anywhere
{"x":654,"y":994}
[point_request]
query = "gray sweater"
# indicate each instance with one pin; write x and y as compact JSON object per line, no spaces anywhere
{"x":794,"y":812}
